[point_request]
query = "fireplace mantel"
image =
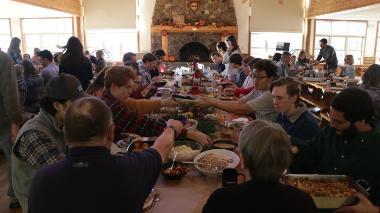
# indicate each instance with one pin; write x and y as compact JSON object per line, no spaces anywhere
{"x":164,"y":30}
{"x":194,"y":29}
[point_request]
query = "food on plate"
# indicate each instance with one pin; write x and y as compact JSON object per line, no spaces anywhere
{"x":176,"y":170}
{"x":323,"y":187}
{"x":184,"y":152}
{"x":140,"y":146}
{"x":214,"y":162}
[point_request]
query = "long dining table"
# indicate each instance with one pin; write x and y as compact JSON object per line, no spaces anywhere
{"x":189,"y":194}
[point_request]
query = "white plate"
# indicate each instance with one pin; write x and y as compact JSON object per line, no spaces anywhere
{"x":221,"y":153}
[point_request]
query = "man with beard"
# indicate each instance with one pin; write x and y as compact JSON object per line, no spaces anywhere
{"x":350,"y":145}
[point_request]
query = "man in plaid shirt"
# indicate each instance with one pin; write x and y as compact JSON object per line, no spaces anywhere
{"x":40,"y":140}
{"x":118,"y":84}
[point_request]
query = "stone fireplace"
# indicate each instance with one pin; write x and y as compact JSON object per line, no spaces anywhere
{"x":186,"y":28}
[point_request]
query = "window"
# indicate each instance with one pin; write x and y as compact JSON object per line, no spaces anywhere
{"x":347,"y":37}
{"x":378,"y":44}
{"x":264,"y":44}
{"x":46,"y":33}
{"x":123,"y":40}
{"x":5,"y":34}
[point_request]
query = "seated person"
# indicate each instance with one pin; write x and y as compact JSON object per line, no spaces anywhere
{"x":302,"y":60}
{"x":283,"y":65}
{"x":261,"y":103}
{"x":247,"y":87}
{"x":266,"y":152}
{"x":348,"y":69}
{"x":371,"y":84}
{"x":97,"y":86}
{"x":235,"y":72}
{"x":118,"y":83}
{"x":49,"y":69}
{"x":217,"y":58}
{"x":40,"y":141}
{"x":90,"y":179}
{"x":348,"y":146}
{"x":148,"y":64}
{"x":294,"y":117}
{"x":160,"y":66}
{"x":129,"y":57}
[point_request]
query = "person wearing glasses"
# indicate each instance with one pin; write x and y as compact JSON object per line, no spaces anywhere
{"x":349,"y":146}
{"x":260,"y":101}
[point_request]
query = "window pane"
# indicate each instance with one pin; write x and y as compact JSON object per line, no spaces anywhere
{"x":338,"y":43}
{"x":121,"y":42}
{"x":340,"y":55}
{"x":4,"y":26}
{"x":65,"y":25}
{"x":357,"y":28}
{"x":49,"y":41}
{"x":323,"y":27}
{"x":32,"y":41}
{"x":4,"y":42}
{"x":339,"y":27}
{"x":258,"y":40}
{"x":31,"y":26}
{"x":354,"y":44}
{"x":357,"y":56}
{"x":48,"y":26}
{"x":259,"y":53}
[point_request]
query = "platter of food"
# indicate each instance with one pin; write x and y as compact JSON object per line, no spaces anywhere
{"x":327,"y":191}
{"x":139,"y":146}
{"x":186,"y":150}
{"x":212,"y":162}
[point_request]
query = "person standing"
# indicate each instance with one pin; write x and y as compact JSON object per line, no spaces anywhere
{"x":49,"y":69}
{"x":14,"y":50}
{"x":74,"y":62}
{"x":10,"y":115}
{"x":328,"y":54}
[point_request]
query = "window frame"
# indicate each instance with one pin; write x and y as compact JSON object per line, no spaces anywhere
{"x":330,"y":35}
{"x":40,"y":34}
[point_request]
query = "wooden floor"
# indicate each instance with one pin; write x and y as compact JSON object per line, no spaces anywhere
{"x":4,"y":199}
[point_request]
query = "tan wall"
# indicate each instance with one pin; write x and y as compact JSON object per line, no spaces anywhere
{"x":320,"y":7}
{"x":68,"y":6}
{"x":109,"y":14}
{"x":243,"y":12}
{"x":271,"y":16}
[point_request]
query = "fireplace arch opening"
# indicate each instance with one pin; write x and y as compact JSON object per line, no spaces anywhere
{"x":194,"y":49}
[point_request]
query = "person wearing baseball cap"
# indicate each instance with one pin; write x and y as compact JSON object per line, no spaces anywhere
{"x":40,"y":140}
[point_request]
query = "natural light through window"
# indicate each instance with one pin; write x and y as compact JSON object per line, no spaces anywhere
{"x":123,"y":40}
{"x":5,"y":34}
{"x":347,"y":37}
{"x":263,"y":44}
{"x":46,"y":33}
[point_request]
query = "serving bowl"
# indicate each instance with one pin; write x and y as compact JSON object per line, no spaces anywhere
{"x":212,"y":162}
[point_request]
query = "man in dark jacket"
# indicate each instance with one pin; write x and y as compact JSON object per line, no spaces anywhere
{"x":10,"y":115}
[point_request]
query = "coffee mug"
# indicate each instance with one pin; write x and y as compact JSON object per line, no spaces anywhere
{"x":230,"y":177}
